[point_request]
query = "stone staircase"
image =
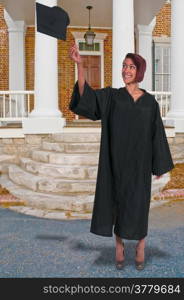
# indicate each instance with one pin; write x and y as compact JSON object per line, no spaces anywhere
{"x":61,"y":176}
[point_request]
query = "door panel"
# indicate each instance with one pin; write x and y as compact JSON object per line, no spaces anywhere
{"x":92,"y":71}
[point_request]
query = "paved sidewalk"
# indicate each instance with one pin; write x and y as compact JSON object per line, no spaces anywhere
{"x":38,"y":247}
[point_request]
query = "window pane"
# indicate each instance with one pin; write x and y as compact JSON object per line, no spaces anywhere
{"x":80,"y":46}
{"x":166,"y":83}
{"x":97,"y":47}
{"x":158,"y":82}
{"x":165,"y":60}
{"x":84,"y":47}
{"x":162,"y":67}
{"x":158,"y":59}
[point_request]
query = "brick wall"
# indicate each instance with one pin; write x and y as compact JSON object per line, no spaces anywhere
{"x":163,"y":21}
{"x":4,"y":52}
{"x":29,"y":56}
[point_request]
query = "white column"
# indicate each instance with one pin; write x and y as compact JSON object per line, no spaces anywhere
{"x":144,"y":48}
{"x":16,"y":30}
{"x":46,"y":117}
{"x":123,"y":37}
{"x":177,"y":64}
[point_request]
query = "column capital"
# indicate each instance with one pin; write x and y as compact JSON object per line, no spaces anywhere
{"x":14,"y":26}
{"x":145,"y":29}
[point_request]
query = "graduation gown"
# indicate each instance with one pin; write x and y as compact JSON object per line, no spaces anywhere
{"x":133,"y":147}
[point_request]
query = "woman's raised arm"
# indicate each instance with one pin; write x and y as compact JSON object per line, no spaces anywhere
{"x":75,"y":56}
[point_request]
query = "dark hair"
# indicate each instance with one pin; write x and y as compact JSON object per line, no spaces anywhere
{"x":140,"y":63}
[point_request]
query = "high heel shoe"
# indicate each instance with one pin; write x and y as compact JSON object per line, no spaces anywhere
{"x":120,"y":263}
{"x":139,"y":264}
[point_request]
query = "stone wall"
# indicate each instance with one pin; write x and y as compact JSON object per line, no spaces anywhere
{"x":21,"y":147}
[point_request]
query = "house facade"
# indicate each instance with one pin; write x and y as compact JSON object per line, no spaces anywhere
{"x":39,"y":64}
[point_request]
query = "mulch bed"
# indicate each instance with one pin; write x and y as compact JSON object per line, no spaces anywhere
{"x":177,"y":178}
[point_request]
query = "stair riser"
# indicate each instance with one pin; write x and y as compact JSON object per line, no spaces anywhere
{"x":77,"y":137}
{"x":61,"y":205}
{"x":18,"y":178}
{"x":57,"y":158}
{"x":50,"y":185}
{"x":72,"y":148}
{"x":60,"y":172}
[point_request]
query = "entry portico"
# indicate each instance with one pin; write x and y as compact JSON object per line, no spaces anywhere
{"x":124,"y":17}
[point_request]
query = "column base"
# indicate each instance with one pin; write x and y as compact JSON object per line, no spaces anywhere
{"x":43,"y":125}
{"x":178,"y":117}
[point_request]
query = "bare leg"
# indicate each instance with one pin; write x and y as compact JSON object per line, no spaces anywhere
{"x":139,"y":259}
{"x":140,"y":250}
{"x":119,"y":249}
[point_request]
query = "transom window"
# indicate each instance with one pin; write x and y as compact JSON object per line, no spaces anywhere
{"x":84,"y":47}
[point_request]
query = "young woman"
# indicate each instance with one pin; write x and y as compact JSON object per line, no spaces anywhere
{"x":133,"y":147}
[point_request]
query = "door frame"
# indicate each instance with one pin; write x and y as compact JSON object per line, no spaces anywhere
{"x":93,"y":53}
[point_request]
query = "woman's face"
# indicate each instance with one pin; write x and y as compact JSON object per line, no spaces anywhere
{"x":128,"y":71}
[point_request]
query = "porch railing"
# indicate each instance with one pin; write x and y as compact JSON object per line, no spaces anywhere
{"x":15,"y":105}
{"x":164,"y":100}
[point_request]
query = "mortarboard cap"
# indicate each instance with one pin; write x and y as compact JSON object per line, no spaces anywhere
{"x":52,"y":21}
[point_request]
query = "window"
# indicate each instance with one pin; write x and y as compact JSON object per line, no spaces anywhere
{"x":84,"y":47}
{"x":162,"y":67}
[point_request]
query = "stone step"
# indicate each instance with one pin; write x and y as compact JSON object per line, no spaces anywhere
{"x":64,"y":158}
{"x":158,"y":184}
{"x":54,"y":206}
{"x":71,"y":147}
{"x":6,"y":157}
{"x":77,"y":137}
{"x":57,"y":171}
{"x":49,"y":184}
{"x":67,"y":203}
{"x":4,"y":160}
{"x":177,"y":151}
{"x":83,"y":123}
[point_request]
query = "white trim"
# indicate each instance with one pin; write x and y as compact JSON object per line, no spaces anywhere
{"x":80,"y":35}
{"x":162,"y":39}
{"x":91,"y":27}
{"x":79,"y":27}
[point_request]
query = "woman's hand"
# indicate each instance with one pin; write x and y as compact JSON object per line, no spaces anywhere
{"x":74,"y":54}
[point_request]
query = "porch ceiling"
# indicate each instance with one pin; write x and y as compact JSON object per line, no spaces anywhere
{"x":101,"y":15}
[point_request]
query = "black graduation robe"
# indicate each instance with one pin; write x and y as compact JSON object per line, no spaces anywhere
{"x":133,"y":147}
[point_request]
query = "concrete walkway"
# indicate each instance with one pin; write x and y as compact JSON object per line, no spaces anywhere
{"x":39,"y":247}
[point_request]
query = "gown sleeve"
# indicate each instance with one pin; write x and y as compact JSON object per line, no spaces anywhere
{"x":161,"y":155}
{"x":92,"y":104}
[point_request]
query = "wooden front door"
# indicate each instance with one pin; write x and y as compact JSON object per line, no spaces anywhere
{"x":92,"y":71}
